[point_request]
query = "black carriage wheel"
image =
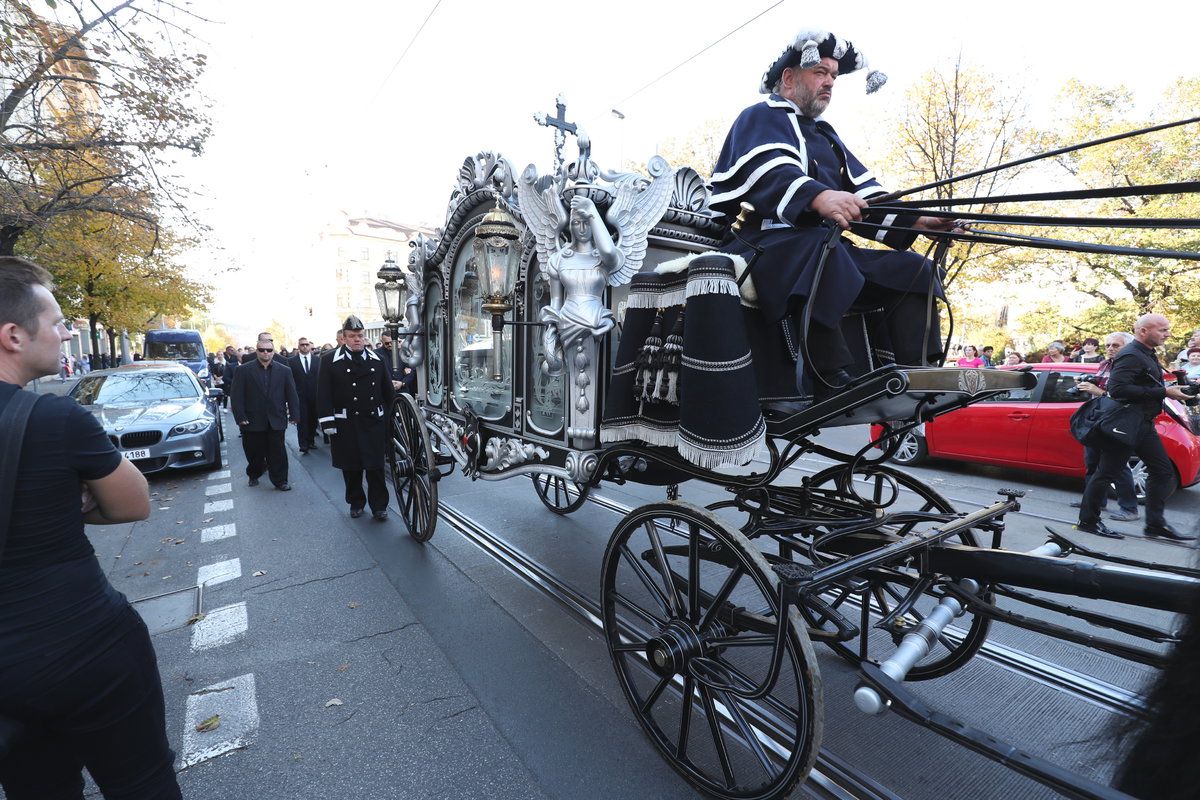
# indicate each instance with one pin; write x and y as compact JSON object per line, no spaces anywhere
{"x":875,"y":594}
{"x":559,"y":494}
{"x":691,"y":609}
{"x":413,"y":472}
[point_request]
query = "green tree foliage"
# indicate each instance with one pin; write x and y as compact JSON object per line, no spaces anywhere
{"x":96,"y":99}
{"x":113,"y":270}
{"x":1126,"y":285}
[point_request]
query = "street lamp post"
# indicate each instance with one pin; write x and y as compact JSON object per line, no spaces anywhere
{"x":389,"y":292}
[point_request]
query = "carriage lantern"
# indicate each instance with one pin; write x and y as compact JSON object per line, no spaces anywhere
{"x":390,"y":294}
{"x":497,"y":261}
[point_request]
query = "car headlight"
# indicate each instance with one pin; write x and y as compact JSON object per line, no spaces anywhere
{"x":195,"y":426}
{"x":203,"y":373}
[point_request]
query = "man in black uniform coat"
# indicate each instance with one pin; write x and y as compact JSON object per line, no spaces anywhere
{"x":354,"y":395}
{"x":1136,"y":380}
{"x":305,"y":367}
{"x":264,"y":401}
{"x":404,"y":377}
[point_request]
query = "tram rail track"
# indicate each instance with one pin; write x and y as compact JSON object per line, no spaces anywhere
{"x":1086,"y":687}
{"x":831,"y":778}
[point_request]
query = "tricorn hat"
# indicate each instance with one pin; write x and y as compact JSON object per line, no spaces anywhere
{"x":807,"y":51}
{"x":352,"y":323}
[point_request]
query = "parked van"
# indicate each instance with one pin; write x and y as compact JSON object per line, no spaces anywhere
{"x":184,"y":346}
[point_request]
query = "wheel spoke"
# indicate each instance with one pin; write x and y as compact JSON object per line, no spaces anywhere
{"x":664,"y":569}
{"x":631,"y":647}
{"x":693,"y":574}
{"x":731,"y":703}
{"x":649,"y":702}
{"x":646,"y":616}
{"x":720,"y":597}
{"x":714,"y":726}
{"x":646,"y":579}
{"x":685,"y":717}
{"x":758,"y":640}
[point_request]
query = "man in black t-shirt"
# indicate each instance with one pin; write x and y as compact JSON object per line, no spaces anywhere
{"x":77,"y":668}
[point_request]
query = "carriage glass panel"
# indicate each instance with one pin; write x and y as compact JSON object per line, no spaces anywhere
{"x":547,"y":408}
{"x":473,"y":385}
{"x":435,"y":357}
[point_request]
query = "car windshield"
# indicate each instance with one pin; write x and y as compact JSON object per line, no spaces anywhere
{"x":144,"y":386}
{"x":174,"y":351}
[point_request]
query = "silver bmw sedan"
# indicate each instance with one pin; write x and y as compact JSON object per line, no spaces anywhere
{"x":156,"y":413}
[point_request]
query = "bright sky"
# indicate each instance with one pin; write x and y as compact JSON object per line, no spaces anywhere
{"x":306,"y":124}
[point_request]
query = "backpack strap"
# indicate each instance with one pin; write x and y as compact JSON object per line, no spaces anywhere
{"x":12,"y":433}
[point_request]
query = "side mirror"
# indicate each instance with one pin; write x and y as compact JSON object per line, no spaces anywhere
{"x":216,"y":393}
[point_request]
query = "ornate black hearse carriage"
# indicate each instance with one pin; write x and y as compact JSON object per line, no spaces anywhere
{"x":545,"y":320}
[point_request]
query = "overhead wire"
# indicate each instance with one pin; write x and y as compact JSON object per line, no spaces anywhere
{"x":699,"y":53}
{"x":407,"y":47}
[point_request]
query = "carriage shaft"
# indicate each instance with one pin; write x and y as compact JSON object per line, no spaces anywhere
{"x":1139,"y":587}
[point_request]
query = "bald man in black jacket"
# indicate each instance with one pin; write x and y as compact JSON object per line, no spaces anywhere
{"x":1137,"y":381}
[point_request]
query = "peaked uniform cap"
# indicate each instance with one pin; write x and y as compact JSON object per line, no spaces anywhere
{"x":807,"y":50}
{"x":353,"y":323}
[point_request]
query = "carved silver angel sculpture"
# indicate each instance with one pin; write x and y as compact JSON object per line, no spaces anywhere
{"x":580,"y":268}
{"x":414,"y":282}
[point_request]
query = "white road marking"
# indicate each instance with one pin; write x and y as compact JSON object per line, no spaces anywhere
{"x":220,"y":627}
{"x":212,"y":574}
{"x":216,"y":476}
{"x":218,"y":505}
{"x":218,"y":488}
{"x":235,"y":700}
{"x":217,"y":532}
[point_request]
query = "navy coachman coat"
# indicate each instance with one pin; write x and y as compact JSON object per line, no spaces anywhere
{"x":354,"y":397}
{"x":778,"y":160}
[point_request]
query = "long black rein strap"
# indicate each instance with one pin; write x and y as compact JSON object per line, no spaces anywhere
{"x":1181,"y":187}
{"x":1038,"y":157}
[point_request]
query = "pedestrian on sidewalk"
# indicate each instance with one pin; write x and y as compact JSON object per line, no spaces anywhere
{"x":1136,"y":380}
{"x":1124,"y":485}
{"x":264,"y":401}
{"x":305,"y":367}
{"x":79,"y":680}
{"x":354,"y":396}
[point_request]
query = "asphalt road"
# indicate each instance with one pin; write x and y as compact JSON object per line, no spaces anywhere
{"x":347,"y":660}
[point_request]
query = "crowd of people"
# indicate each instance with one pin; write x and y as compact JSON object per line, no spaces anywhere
{"x":1087,"y":351}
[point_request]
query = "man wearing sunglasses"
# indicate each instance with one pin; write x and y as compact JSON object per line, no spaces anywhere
{"x":264,"y":401}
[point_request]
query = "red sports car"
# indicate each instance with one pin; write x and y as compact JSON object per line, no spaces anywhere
{"x":1029,"y":429}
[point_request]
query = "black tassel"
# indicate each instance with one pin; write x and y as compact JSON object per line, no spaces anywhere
{"x":643,"y":384}
{"x":672,"y":360}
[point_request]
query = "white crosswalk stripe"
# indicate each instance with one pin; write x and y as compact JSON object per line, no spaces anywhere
{"x":235,"y":700}
{"x":218,"y":488}
{"x":213,"y":574}
{"x":218,"y":532}
{"x":220,"y":474}
{"x":218,"y":505}
{"x":220,"y":627}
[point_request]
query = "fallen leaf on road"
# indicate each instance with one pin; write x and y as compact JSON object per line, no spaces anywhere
{"x":258,"y":573}
{"x":194,"y":618}
{"x":352,"y":605}
{"x":334,"y":702}
{"x":178,"y":522}
{"x":210,"y":724}
{"x":210,"y":519}
{"x":145,"y":574}
{"x":138,"y":563}
{"x":344,"y":667}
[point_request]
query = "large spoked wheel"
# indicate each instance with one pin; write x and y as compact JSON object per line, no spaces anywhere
{"x":691,"y":615}
{"x":413,"y":472}
{"x":559,"y":494}
{"x":870,"y":599}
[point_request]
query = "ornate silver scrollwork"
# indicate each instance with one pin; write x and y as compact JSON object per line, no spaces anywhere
{"x":690,"y":192}
{"x":581,"y":466}
{"x":505,"y":453}
{"x":485,"y":170}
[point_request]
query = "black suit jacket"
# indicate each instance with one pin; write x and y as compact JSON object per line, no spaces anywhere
{"x":1137,"y":379}
{"x":306,"y":384}
{"x":265,"y":398}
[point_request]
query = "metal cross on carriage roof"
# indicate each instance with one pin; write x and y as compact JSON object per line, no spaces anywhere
{"x":561,"y":129}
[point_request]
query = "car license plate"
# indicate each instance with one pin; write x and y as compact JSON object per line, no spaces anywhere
{"x":132,"y":454}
